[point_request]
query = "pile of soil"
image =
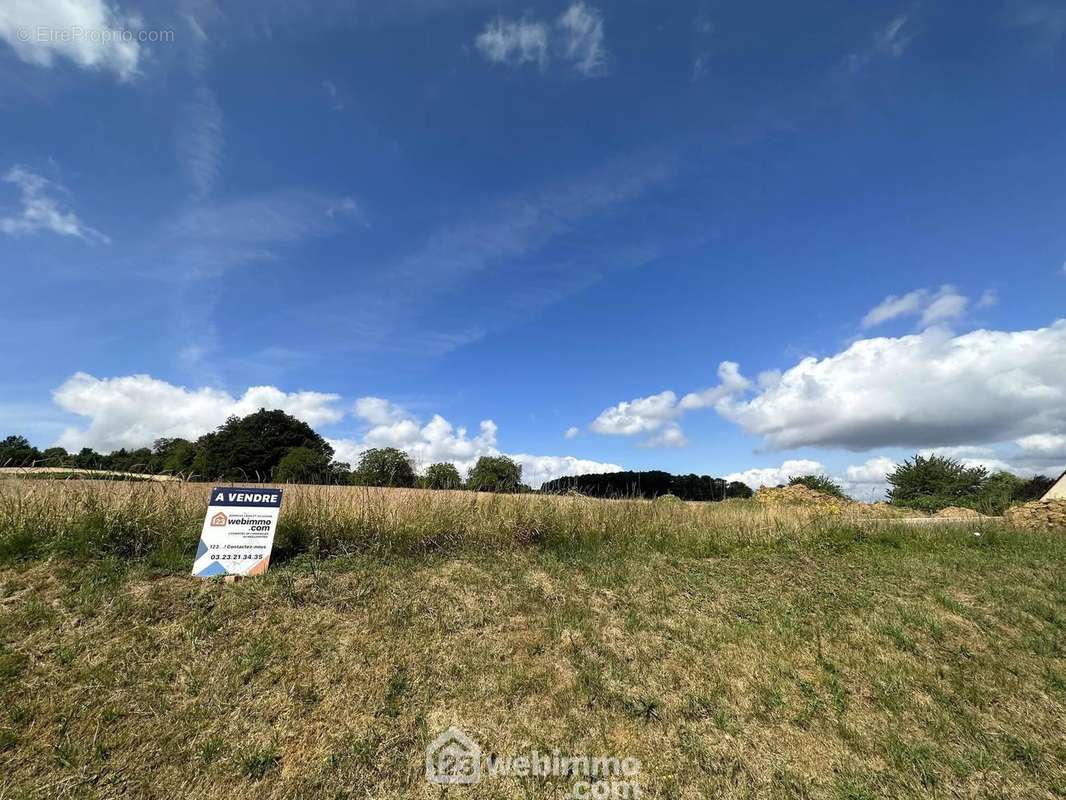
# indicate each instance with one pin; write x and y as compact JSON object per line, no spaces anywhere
{"x":798,"y":495}
{"x":1039,"y":515}
{"x":957,"y":512}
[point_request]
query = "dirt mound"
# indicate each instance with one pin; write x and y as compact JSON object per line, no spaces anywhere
{"x":957,"y":512}
{"x":798,"y":495}
{"x":1039,"y":515}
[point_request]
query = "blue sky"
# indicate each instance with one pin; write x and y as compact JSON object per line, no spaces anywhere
{"x":545,"y":224}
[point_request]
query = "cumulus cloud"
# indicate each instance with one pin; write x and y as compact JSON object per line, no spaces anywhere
{"x":647,"y":414}
{"x":946,"y":305}
{"x":640,"y":415}
{"x":438,"y":440}
{"x":776,"y":476}
{"x":932,"y":389}
{"x":730,"y":382}
{"x":670,"y":436}
{"x":572,"y":432}
{"x":864,"y":482}
{"x":576,"y":38}
{"x":1047,"y":445}
{"x":41,"y":211}
{"x":378,"y":411}
{"x":868,"y":481}
{"x":933,"y":308}
{"x":26,"y":25}
{"x":136,"y":410}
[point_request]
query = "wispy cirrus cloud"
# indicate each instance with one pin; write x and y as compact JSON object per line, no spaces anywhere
{"x":891,"y":41}
{"x":946,"y":304}
{"x":40,"y":210}
{"x":575,"y":38}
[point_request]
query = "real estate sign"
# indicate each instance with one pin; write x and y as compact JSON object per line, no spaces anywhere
{"x":238,"y":532}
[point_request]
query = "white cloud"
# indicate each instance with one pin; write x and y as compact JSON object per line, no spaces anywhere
{"x":730,"y":382}
{"x":670,"y":436}
{"x":776,"y":476}
{"x":640,"y":415}
{"x":201,"y":139}
{"x":572,"y":432}
{"x":378,"y":411}
{"x":893,"y":306}
{"x":514,"y":43}
{"x":868,"y":481}
{"x":944,"y":305}
{"x":926,"y":390}
{"x":891,"y":41}
{"x":538,"y":469}
{"x":41,"y":211}
{"x":90,"y":33}
{"x":874,"y":470}
{"x":988,"y":298}
{"x":438,"y":440}
{"x":575,"y":38}
{"x":136,"y":410}
{"x":865,"y":482}
{"x":582,"y":34}
{"x":647,"y":414}
{"x":1043,"y":445}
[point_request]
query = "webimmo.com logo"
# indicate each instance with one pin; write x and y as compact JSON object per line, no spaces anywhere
{"x":455,"y":758}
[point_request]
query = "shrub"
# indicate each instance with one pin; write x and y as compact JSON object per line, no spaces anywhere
{"x":1032,"y":489}
{"x":442,"y":476}
{"x":820,"y":483}
{"x":384,"y":466}
{"x":495,"y":474}
{"x":997,"y":493}
{"x":738,"y":489}
{"x":935,"y":482}
{"x":303,"y":465}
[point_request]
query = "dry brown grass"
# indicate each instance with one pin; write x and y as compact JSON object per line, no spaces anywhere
{"x":737,"y":651}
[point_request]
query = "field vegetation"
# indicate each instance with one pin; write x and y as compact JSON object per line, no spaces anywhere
{"x":737,"y":650}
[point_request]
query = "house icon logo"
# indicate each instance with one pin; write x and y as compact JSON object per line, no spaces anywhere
{"x":453,"y":757}
{"x":219,"y":520}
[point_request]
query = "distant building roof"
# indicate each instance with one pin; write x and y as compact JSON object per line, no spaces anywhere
{"x":1058,"y":489}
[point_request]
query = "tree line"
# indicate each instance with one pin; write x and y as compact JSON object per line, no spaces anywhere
{"x":269,"y":446}
{"x":648,"y":484}
{"x":272,"y":446}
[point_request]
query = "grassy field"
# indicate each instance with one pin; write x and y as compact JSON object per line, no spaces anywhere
{"x":736,"y":651}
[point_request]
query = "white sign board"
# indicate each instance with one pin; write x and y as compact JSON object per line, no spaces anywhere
{"x":238,"y":532}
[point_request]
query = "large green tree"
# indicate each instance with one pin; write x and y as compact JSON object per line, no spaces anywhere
{"x":16,"y":451}
{"x":442,"y":476}
{"x":250,"y":448}
{"x":304,"y":465}
{"x":173,"y":456}
{"x":494,"y":474}
{"x":384,"y":466}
